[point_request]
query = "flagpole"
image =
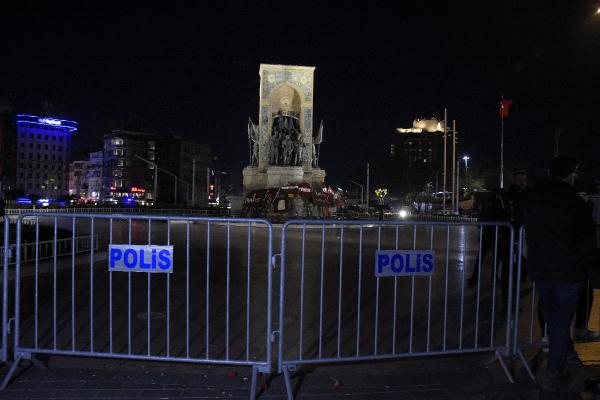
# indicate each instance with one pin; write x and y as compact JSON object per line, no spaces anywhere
{"x":501,"y":144}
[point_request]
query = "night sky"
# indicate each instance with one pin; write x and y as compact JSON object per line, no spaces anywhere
{"x":194,"y":73}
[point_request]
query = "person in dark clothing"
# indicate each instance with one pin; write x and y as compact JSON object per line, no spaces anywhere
{"x":560,"y":248}
{"x":510,"y":207}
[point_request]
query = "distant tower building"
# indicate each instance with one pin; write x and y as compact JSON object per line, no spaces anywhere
{"x":94,"y":176}
{"x":417,"y":155}
{"x":43,"y":153}
{"x":8,"y":136}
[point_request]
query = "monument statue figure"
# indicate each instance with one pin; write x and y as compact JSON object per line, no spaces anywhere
{"x":317,"y":140}
{"x":288,"y":148}
{"x":253,"y":139}
{"x":274,"y":147}
{"x":298,"y":145}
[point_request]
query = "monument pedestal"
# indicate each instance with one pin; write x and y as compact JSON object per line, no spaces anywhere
{"x":277,"y":176}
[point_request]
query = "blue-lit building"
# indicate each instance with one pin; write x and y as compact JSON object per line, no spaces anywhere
{"x":43,"y":155}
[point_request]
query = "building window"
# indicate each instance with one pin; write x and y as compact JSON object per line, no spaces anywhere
{"x":151,"y":145}
{"x":118,"y":152}
{"x":120,"y":162}
{"x":117,"y":142}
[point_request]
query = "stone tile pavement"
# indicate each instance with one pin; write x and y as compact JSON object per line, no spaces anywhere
{"x":455,"y":377}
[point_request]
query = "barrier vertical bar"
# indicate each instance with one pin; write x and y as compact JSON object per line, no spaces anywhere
{"x":412,"y":296}
{"x":360,"y":246}
{"x":6,"y":260}
{"x":495,"y":272}
{"x":269,"y":298}
{"x":110,"y":294}
{"x":300,"y":342}
{"x":207,"y":288}
{"x":511,"y":244}
{"x":54,"y":282}
{"x":395,"y":301}
{"x":168,"y":327}
{"x":227,"y":294}
{"x":462,"y":299}
{"x":446,"y":285}
{"x":321,"y":294}
{"x":429,"y":298}
{"x":340,"y":288}
{"x":129,"y":301}
{"x":187,"y":289}
{"x":248,"y":292}
{"x":17,"y":298}
{"x":376,"y":335}
{"x":478,"y":285}
{"x":92,"y":288}
{"x":148,"y":274}
{"x":37,"y":255}
{"x":73,"y":284}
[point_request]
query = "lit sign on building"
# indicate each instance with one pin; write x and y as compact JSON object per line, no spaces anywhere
{"x":137,"y":190}
{"x":49,"y":121}
{"x":70,"y":126}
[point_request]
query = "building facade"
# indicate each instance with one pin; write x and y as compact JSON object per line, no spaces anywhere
{"x":78,"y":186}
{"x":128,"y":179}
{"x":85,"y":178}
{"x":8,"y":140}
{"x":43,"y":154}
{"x":416,"y":156}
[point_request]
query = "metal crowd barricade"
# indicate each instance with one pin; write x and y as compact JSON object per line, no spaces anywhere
{"x":215,"y":307}
{"x":332,"y":307}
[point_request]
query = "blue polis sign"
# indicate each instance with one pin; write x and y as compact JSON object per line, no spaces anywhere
{"x":137,"y":258}
{"x":404,"y":262}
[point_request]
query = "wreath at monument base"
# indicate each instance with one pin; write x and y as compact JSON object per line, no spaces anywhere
{"x":294,"y":201}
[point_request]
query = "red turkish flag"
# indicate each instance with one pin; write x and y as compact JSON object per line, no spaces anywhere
{"x":504,"y":107}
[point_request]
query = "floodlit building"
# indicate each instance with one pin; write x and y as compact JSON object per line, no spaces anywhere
{"x":417,"y":154}
{"x":43,"y":153}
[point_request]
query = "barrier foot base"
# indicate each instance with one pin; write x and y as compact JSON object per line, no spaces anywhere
{"x":37,"y":363}
{"x":526,"y":364}
{"x":504,"y":366}
{"x":11,"y":372}
{"x":288,"y":383}
{"x":253,"y":383}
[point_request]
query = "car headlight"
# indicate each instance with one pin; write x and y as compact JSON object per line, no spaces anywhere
{"x":403,"y":213}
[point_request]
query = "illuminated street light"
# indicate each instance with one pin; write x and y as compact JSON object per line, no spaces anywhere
{"x":466,"y":158}
{"x":598,"y":10}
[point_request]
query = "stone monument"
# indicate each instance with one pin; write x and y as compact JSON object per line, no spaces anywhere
{"x":284,"y":150}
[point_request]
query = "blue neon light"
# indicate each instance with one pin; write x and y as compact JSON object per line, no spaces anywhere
{"x":71,"y":126}
{"x":23,"y":200}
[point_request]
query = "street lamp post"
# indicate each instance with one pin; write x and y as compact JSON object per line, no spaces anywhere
{"x":156,"y":169}
{"x":466,"y":158}
{"x":362,"y":201}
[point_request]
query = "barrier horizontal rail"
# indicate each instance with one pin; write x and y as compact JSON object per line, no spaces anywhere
{"x":46,"y":250}
{"x":333,"y":307}
{"x":214,"y":307}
